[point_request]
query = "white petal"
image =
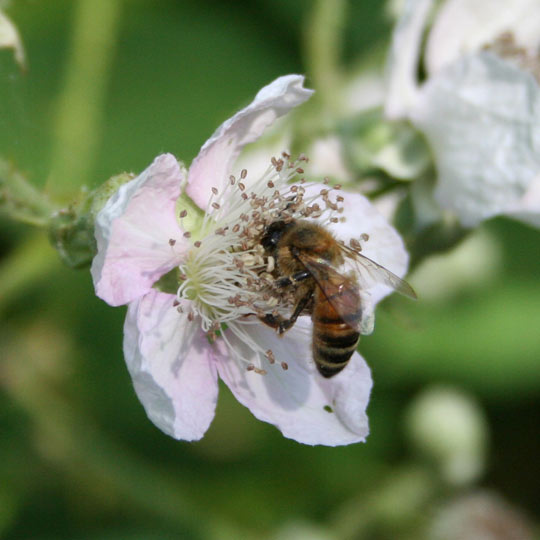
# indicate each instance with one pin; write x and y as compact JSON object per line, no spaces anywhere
{"x":464,"y":26}
{"x":171,"y":366}
{"x":402,"y":66}
{"x":133,"y":232}
{"x":213,"y":165}
{"x":297,"y":400}
{"x":481,"y":117}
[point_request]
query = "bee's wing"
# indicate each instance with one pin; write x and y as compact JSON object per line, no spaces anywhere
{"x":341,"y":292}
{"x":370,"y":273}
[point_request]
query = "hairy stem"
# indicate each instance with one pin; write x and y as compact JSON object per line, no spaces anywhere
{"x":322,"y":45}
{"x":80,"y":108}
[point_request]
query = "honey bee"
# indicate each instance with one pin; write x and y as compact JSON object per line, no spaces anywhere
{"x":307,"y":259}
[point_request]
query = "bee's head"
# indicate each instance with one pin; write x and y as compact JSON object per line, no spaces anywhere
{"x":272,"y":235}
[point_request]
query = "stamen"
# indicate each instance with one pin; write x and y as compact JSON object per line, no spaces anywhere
{"x":229,"y":278}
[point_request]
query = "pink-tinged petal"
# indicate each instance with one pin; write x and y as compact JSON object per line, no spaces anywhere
{"x":298,"y":401}
{"x":384,"y":244}
{"x":213,"y":165}
{"x":133,"y":233}
{"x":172,"y":369}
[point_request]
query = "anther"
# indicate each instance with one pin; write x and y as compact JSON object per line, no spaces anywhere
{"x":355,"y":244}
{"x":172,"y":241}
{"x":183,"y":214}
{"x":197,"y":244}
{"x":243,"y":174}
{"x":214,"y":191}
{"x":187,"y":234}
{"x":285,"y":366}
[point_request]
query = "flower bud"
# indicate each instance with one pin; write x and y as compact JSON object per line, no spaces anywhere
{"x":71,"y":229}
{"x":10,"y":39}
{"x":449,"y":428}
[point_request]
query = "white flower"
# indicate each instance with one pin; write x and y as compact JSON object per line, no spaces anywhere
{"x":202,"y":228}
{"x":479,"y":106}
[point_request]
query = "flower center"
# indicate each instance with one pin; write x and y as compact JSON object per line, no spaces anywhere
{"x":227,"y":275}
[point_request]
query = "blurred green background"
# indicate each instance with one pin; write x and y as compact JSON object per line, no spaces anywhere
{"x":79,"y":459}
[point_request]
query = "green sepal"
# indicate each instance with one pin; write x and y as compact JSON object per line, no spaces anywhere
{"x":71,"y":229}
{"x":72,"y":235}
{"x":193,"y":219}
{"x":168,"y":283}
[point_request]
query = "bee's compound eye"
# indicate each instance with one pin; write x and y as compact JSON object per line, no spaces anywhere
{"x":272,"y":235}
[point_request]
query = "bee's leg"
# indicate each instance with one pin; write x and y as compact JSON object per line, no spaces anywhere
{"x":285,"y":324}
{"x":273,"y":321}
{"x":280,"y":323}
{"x":291,"y":280}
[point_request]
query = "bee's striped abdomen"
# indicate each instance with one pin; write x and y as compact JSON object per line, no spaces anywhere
{"x":334,"y":341}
